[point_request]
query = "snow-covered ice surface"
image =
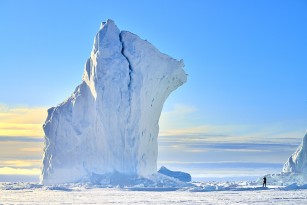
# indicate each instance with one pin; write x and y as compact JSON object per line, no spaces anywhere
{"x":110,"y":123}
{"x":286,"y":179}
{"x":216,"y":193}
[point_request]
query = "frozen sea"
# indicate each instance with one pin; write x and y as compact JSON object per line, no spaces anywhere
{"x":36,"y":194}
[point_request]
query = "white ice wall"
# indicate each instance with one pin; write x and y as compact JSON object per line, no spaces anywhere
{"x":297,"y":162}
{"x":110,"y":123}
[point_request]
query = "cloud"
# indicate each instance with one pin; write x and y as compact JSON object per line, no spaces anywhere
{"x":204,"y":130}
{"x":184,"y":123}
{"x":10,"y":129}
{"x":242,"y":143}
{"x":19,"y":171}
{"x":21,"y":163}
{"x":20,"y":139}
{"x":31,"y":149}
{"x":22,"y":121}
{"x":22,"y":115}
{"x":21,"y":150}
{"x":177,"y":117}
{"x":21,"y":142}
{"x":181,"y":138}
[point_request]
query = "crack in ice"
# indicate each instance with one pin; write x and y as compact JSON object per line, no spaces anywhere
{"x":126,"y":57}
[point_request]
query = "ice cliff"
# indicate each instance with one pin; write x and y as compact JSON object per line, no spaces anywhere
{"x":295,"y":168}
{"x":297,"y":162}
{"x":110,"y":123}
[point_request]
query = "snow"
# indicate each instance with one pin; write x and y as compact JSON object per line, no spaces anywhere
{"x":110,"y":123}
{"x":286,"y":178}
{"x":213,"y":193}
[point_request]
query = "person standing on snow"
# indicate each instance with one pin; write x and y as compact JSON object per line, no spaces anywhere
{"x":264,"y":182}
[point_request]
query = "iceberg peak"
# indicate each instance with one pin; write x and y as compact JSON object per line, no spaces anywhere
{"x":110,"y":123}
{"x":106,"y":38}
{"x":297,"y":162}
{"x":108,"y":22}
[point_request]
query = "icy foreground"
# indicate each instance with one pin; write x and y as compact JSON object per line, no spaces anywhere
{"x":110,"y":123}
{"x":227,"y":193}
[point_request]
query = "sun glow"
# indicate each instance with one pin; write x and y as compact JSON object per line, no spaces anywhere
{"x":22,"y":121}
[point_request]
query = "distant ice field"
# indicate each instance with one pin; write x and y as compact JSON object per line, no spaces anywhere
{"x":14,"y":194}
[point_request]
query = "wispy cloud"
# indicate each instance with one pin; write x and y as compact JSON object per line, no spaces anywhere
{"x":21,"y":150}
{"x":177,"y":117}
{"x":242,"y":143}
{"x":20,"y":139}
{"x":232,"y":133}
{"x":22,"y":121}
{"x":19,"y":171}
{"x":175,"y":125}
{"x":21,"y":163}
{"x":22,"y":114}
{"x":31,"y":149}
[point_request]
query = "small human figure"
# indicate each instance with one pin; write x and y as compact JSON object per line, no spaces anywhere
{"x":264,"y":182}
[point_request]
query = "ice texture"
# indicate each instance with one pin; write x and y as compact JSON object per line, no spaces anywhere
{"x":297,"y":162}
{"x":110,"y":122}
{"x":294,"y":170}
{"x":182,"y":176}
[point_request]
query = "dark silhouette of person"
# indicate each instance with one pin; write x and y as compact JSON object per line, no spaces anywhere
{"x":264,"y":182}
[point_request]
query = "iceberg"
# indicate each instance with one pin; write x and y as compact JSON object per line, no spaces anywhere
{"x":181,"y":176}
{"x":110,"y":123}
{"x":297,"y":162}
{"x":294,"y":170}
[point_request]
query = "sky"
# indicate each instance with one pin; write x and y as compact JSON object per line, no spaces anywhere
{"x":242,"y":112}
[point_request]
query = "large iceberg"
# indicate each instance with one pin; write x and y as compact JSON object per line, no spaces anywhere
{"x":295,"y":168}
{"x":297,"y":162}
{"x":110,"y":122}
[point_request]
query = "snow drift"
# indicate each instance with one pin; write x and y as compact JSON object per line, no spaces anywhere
{"x":110,"y":122}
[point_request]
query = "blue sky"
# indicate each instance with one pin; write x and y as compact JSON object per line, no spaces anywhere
{"x":244,"y":102}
